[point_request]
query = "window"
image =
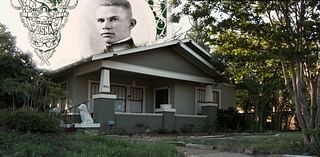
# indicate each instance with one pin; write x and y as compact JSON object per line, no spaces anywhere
{"x":216,"y":97}
{"x":136,"y":99}
{"x":201,"y":98}
{"x":121,"y":92}
{"x":201,"y":95}
{"x":130,"y":99}
{"x":161,"y":97}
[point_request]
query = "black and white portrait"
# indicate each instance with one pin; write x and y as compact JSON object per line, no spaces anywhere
{"x":114,"y":22}
{"x":92,"y":27}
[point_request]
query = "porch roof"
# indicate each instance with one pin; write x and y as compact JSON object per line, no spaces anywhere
{"x":186,"y":48}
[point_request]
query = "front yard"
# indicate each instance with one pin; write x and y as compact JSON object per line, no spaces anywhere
{"x":79,"y":145}
{"x":85,"y":145}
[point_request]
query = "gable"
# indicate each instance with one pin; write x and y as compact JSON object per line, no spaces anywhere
{"x":165,"y":59}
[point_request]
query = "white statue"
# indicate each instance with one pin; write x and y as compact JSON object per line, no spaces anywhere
{"x":85,"y":115}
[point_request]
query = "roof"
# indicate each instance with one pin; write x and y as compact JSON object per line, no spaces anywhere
{"x":186,"y":48}
{"x":187,"y":42}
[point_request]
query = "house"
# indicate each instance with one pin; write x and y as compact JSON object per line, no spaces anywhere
{"x":170,"y":86}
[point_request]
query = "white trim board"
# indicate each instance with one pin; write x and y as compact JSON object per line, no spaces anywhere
{"x":155,"y":72}
{"x":194,"y":54}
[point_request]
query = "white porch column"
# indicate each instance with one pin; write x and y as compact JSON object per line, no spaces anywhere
{"x":209,"y":94}
{"x":104,"y":81}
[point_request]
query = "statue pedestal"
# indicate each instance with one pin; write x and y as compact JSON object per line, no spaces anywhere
{"x":93,"y":127}
{"x":86,"y":126}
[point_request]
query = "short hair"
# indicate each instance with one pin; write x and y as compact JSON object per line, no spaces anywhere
{"x":119,"y":3}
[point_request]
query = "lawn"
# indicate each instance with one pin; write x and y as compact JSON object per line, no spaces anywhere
{"x":86,"y":145}
{"x":79,"y":145}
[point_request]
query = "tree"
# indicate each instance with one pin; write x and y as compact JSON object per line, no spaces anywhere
{"x":289,"y":33}
{"x":27,"y":86}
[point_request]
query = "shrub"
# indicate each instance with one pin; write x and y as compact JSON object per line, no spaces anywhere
{"x":229,"y":120}
{"x":33,"y":122}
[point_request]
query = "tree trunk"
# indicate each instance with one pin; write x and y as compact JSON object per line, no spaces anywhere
{"x":13,"y":103}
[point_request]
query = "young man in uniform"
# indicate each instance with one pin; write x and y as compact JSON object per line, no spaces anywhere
{"x":114,"y":23}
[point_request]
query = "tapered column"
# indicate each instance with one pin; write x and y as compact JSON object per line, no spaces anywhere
{"x":104,"y":103}
{"x":209,"y":94}
{"x":104,"y":81}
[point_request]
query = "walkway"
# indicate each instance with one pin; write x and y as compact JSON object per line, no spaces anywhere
{"x":192,"y":152}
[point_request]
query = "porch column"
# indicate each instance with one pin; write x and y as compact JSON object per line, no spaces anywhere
{"x":104,"y":103}
{"x":209,"y":94}
{"x":104,"y":81}
{"x":209,"y":108}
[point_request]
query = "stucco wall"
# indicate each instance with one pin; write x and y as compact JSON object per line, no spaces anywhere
{"x":228,"y":95}
{"x":184,"y":98}
{"x":79,"y":90}
{"x":138,"y":123}
{"x":135,"y":123}
{"x":190,"y":123}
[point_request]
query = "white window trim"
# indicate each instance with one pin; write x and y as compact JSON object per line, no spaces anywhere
{"x":154,"y":96}
{"x":220,"y":103}
{"x":196,"y":101}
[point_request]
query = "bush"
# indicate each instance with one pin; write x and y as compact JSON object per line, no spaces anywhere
{"x":33,"y":122}
{"x":229,"y":120}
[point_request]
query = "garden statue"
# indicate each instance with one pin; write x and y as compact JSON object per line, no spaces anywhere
{"x":85,"y":115}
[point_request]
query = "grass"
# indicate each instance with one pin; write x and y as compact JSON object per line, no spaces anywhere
{"x":79,"y":145}
{"x":86,"y":145}
{"x":282,"y":143}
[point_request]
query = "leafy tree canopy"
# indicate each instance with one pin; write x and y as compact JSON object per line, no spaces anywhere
{"x":258,"y":38}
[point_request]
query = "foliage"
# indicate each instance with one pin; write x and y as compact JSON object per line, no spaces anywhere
{"x":30,"y":145}
{"x":276,"y":36}
{"x":229,"y":120}
{"x":32,"y":122}
{"x":21,"y":84}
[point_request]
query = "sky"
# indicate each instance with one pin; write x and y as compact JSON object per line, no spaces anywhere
{"x":79,"y":38}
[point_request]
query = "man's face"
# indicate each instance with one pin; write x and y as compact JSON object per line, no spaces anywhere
{"x":113,"y":23}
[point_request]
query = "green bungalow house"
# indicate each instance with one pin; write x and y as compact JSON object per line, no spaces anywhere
{"x":170,"y":86}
